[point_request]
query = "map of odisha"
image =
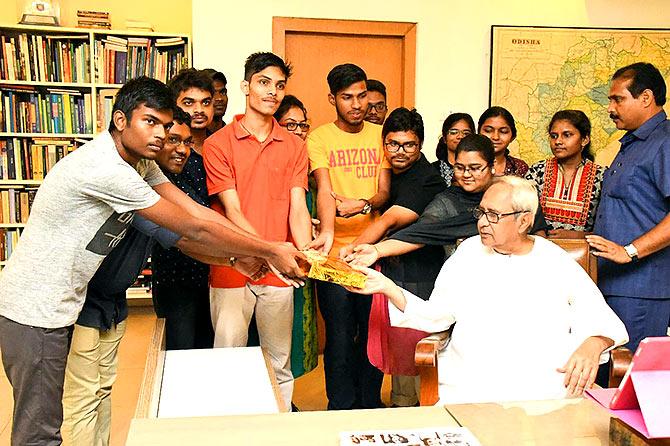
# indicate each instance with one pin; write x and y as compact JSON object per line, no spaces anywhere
{"x":537,"y":71}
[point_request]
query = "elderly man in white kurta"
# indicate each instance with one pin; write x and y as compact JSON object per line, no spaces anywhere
{"x":529,"y":323}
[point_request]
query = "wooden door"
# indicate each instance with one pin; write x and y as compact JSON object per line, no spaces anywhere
{"x":385,"y":50}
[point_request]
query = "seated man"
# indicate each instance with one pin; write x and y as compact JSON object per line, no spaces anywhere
{"x":529,"y":322}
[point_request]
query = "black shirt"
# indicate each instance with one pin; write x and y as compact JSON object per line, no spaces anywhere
{"x":171,"y":266}
{"x":414,"y":189}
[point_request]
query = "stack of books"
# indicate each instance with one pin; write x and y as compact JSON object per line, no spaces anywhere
{"x":136,"y":25}
{"x":9,"y":238}
{"x":31,"y":57}
{"x":29,"y":110}
{"x":93,"y":19}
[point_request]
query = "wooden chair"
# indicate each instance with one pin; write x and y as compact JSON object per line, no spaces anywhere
{"x":427,"y":349}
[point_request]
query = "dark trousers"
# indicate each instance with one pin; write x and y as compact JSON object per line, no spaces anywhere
{"x":642,"y":317}
{"x":351,"y":381}
{"x":188,"y":323}
{"x":34,"y":360}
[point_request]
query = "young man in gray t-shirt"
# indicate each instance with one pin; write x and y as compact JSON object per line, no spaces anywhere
{"x":81,"y":212}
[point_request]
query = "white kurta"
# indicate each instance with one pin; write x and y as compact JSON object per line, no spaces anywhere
{"x":518,"y":319}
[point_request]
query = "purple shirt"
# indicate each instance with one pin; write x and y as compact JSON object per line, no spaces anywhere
{"x":635,"y":198}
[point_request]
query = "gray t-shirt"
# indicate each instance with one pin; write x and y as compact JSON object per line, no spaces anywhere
{"x":80,"y":213}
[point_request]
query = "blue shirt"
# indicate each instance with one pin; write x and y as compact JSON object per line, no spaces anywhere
{"x":635,"y":198}
{"x":171,"y":266}
{"x":105,"y":302}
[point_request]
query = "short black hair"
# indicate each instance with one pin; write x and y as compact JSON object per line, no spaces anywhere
{"x":341,"y":76}
{"x":403,"y":120}
{"x":287,"y":103}
{"x":181,"y":117}
{"x":441,"y":151}
{"x":142,"y":91}
{"x":643,"y":76}
{"x":190,"y":78}
{"x":216,"y":75}
{"x":494,"y":112}
{"x":375,"y":85}
{"x":477,"y":143}
{"x":257,"y":62}
{"x":581,"y":122}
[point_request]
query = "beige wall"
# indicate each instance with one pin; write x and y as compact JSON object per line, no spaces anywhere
{"x":169,"y":16}
{"x":453,"y":41}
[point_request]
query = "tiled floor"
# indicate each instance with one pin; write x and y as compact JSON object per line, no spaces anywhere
{"x":309,"y":391}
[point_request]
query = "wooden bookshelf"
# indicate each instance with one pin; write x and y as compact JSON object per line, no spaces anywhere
{"x":60,"y":65}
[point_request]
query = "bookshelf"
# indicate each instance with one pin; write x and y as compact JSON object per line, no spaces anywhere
{"x":57,"y":88}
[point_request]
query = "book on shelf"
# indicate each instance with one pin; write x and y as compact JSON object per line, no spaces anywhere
{"x":15,"y":203}
{"x":29,"y":109}
{"x":138,"y":25}
{"x":22,"y":160}
{"x":50,"y":58}
{"x":118,"y":59}
{"x":106,"y":97}
{"x":8,"y":240}
{"x":93,"y":19}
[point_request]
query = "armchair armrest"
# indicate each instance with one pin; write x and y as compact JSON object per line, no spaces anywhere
{"x":620,"y":359}
{"x":425,"y":358}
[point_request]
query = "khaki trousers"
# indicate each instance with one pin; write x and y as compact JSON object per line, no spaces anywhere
{"x":232,"y":309}
{"x":89,"y":376}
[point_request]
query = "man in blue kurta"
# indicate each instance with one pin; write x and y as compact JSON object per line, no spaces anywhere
{"x":632,"y":222}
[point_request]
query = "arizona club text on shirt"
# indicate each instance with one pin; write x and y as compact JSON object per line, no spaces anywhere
{"x":363,"y":162}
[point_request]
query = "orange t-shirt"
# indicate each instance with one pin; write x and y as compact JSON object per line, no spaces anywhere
{"x":354,"y":162}
{"x":263,"y":175}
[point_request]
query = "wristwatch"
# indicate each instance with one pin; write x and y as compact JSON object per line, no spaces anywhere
{"x":631,"y":250}
{"x":232,"y":261}
{"x":367,"y":208}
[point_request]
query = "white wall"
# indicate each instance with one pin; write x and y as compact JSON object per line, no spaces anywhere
{"x":453,"y":38}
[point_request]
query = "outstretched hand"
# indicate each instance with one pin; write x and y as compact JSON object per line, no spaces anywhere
{"x":376,"y":282}
{"x":347,"y":207}
{"x":362,"y":255}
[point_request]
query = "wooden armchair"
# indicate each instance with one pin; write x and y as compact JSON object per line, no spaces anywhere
{"x":425,"y":356}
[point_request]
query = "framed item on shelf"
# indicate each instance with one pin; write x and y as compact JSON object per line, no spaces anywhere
{"x":41,"y":12}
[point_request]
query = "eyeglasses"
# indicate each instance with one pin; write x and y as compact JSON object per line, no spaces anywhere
{"x":408,"y":147}
{"x":492,"y":217}
{"x":464,"y":133}
{"x":378,"y":106}
{"x":474,"y":170}
{"x":174,"y":141}
{"x":291,"y":126}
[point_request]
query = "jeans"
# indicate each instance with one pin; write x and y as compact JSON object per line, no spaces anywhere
{"x":351,"y":381}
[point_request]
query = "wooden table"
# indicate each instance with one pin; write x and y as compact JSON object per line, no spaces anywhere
{"x":540,"y":423}
{"x":284,"y":429}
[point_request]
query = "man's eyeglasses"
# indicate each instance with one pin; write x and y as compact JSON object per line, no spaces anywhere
{"x":492,"y":217}
{"x":408,"y":147}
{"x":378,"y":106}
{"x":291,"y":126}
{"x":174,"y":141}
{"x":464,"y":133}
{"x":474,"y":170}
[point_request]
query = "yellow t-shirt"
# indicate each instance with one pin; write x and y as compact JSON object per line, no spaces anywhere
{"x":354,"y":161}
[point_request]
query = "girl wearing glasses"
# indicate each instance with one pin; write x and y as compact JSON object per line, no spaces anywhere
{"x":497,"y":123}
{"x":456,"y":127}
{"x":292,"y":115}
{"x":569,"y":183}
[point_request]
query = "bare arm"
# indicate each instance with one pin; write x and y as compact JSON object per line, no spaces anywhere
{"x":233,"y":209}
{"x":383,"y":190}
{"x":299,"y":219}
{"x":648,"y":243}
{"x":325,"y":209}
{"x":393,"y":219}
{"x":366,"y":255}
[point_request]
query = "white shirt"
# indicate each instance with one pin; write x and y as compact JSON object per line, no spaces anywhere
{"x":518,"y":319}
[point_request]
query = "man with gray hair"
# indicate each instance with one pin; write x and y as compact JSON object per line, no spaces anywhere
{"x":513,"y":299}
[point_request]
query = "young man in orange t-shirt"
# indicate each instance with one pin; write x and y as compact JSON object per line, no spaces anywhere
{"x":257,"y":173}
{"x":347,"y":161}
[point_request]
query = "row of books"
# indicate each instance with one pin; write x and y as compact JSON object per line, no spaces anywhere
{"x":22,"y":160}
{"x":27,"y":110}
{"x":106,"y":97}
{"x":15,"y":204}
{"x":9,"y":238}
{"x":121,"y":59}
{"x":31,"y":57}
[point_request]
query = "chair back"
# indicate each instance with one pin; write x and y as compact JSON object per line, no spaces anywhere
{"x":580,"y":250}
